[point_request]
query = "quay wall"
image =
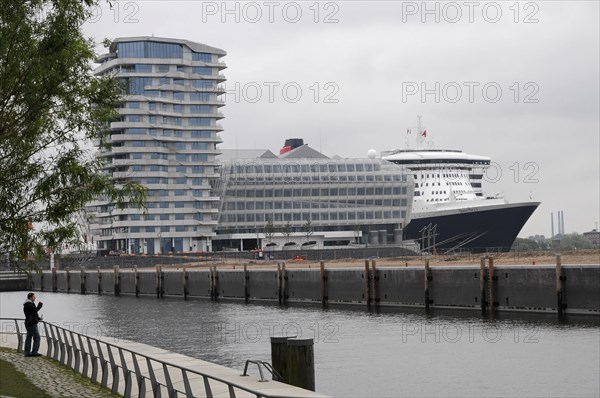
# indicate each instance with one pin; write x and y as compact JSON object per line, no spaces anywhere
{"x":570,"y":289}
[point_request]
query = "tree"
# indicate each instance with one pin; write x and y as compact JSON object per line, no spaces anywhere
{"x":307,"y":228}
{"x":525,"y":245}
{"x":287,"y":231}
{"x":52,"y":109}
{"x":269,"y":230}
{"x":575,"y":241}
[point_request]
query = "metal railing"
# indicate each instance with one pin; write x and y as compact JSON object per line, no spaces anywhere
{"x":102,"y":362}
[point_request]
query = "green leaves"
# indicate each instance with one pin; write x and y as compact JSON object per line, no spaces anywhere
{"x":51,"y":109}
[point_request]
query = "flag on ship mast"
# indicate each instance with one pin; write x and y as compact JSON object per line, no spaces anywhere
{"x":424,"y":133}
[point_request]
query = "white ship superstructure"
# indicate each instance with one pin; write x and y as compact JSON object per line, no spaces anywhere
{"x":450,"y":210}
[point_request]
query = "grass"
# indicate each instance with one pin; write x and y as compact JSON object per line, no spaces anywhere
{"x":15,"y":384}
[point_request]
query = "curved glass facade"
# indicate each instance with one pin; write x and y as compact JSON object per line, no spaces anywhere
{"x":166,"y":139}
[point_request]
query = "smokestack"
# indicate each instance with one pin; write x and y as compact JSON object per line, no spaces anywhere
{"x":552,"y":224}
{"x":559,"y":220}
{"x":562,"y":221}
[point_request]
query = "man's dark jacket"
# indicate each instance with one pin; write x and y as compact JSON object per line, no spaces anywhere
{"x":31,"y":312}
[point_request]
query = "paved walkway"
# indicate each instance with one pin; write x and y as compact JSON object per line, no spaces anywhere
{"x":53,"y":378}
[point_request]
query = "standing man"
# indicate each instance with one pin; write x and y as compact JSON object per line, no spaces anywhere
{"x":31,"y":324}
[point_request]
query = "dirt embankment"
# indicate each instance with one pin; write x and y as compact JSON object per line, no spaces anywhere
{"x":530,"y":258}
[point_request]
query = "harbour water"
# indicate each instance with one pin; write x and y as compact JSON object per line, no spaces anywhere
{"x":357,"y":353}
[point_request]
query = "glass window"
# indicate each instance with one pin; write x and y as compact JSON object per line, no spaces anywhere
{"x":148,"y":49}
{"x":199,"y":121}
{"x":202,"y":57}
{"x":162,"y":68}
{"x":178,"y":96}
{"x":199,"y":97}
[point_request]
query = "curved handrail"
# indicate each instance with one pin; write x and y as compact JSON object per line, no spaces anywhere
{"x":63,"y":350}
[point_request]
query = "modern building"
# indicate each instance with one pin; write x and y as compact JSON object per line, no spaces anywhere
{"x":165,"y":139}
{"x":303,"y":198}
{"x":593,"y":236}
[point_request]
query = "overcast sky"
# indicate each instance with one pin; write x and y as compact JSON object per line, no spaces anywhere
{"x":519,"y":84}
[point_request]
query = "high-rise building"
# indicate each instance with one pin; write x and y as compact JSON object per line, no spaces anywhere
{"x":165,"y":139}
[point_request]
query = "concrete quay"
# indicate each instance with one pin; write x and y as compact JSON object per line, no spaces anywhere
{"x":134,"y":369}
{"x":562,"y":289}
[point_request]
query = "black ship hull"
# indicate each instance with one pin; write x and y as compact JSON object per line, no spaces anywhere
{"x":476,"y":229}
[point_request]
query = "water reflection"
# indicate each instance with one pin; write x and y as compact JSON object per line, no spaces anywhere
{"x":357,"y":353}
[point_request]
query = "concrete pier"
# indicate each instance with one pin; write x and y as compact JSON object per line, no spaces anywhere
{"x":484,"y":288}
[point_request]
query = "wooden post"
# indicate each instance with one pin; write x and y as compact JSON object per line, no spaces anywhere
{"x":492,"y":303}
{"x":82,"y":281}
{"x":158,"y":281}
{"x":284,"y":283}
{"x":324,"y":296}
{"x":117,"y":281}
{"x":560,"y":278}
{"x":482,"y":294}
{"x":279,"y":283}
{"x":215,"y":285}
{"x":99,"y":281}
{"x":68,"y":279}
{"x":278,"y":355}
{"x":185,"y":282}
{"x":137,"y":282}
{"x":246,"y":277}
{"x":367,"y":285}
{"x":54,"y":281}
{"x":300,"y":363}
{"x":427,"y":280}
{"x":374,"y":283}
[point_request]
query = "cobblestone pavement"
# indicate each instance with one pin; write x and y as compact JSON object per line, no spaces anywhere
{"x":53,"y":378}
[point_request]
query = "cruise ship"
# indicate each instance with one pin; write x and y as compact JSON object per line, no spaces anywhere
{"x":450,"y":211}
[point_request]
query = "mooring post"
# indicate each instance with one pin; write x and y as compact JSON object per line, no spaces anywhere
{"x":324,"y":296}
{"x":117,"y":281}
{"x":137,"y":281}
{"x":560,"y":278}
{"x":82,"y":281}
{"x":427,"y":280}
{"x":185,"y":284}
{"x":279,"y":282}
{"x":367,"y":285}
{"x":278,"y":355}
{"x":492,"y":303}
{"x":374,"y":283}
{"x":246,"y":277}
{"x":482,"y":294}
{"x":67,"y":269}
{"x":54,"y":287}
{"x":211,"y":281}
{"x":294,"y":360}
{"x":300,"y":358}
{"x":99,"y":281}
{"x":158,"y":281}
{"x":284,"y":283}
{"x":215,"y":283}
